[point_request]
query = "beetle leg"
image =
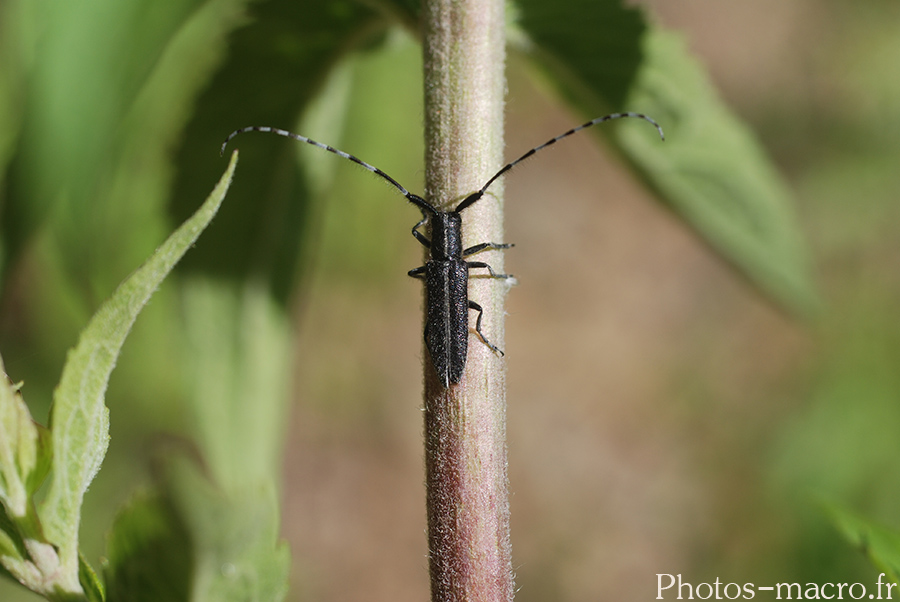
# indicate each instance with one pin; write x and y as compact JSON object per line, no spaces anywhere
{"x":419,"y":236}
{"x":476,"y":307}
{"x":486,"y":245}
{"x":481,"y":264}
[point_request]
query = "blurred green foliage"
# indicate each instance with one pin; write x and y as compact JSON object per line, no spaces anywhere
{"x":40,"y":538}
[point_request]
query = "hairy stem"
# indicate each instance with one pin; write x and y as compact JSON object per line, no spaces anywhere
{"x":465,"y":425}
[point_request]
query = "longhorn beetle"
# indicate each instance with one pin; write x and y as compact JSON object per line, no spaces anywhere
{"x":446,"y":273}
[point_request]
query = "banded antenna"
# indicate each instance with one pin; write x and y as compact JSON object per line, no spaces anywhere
{"x":416,"y":199}
{"x":412,"y":198}
{"x":446,"y":273}
{"x":475,"y":196}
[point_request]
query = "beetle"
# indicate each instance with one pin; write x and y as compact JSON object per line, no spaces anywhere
{"x":446,"y":273}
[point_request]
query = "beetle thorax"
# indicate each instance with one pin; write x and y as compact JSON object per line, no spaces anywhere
{"x":446,"y":236}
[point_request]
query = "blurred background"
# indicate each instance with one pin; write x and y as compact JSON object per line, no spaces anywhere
{"x":663,"y":416}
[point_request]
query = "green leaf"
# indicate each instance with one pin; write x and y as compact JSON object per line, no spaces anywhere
{"x":713,"y":172}
{"x":24,"y":451}
{"x":880,"y":544}
{"x":86,"y":69}
{"x":108,"y":140}
{"x":407,"y":11}
{"x":11,"y":544}
{"x":79,"y":418}
{"x":15,"y":44}
{"x":90,"y":582}
{"x":710,"y":170}
{"x":590,"y":47}
{"x":238,"y":556}
{"x":278,"y":61}
{"x":25,"y":456}
{"x":150,"y":555}
{"x":238,"y":356}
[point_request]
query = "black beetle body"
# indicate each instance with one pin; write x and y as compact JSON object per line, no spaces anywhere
{"x":446,"y":276}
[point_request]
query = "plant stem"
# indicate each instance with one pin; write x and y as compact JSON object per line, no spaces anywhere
{"x":465,"y":425}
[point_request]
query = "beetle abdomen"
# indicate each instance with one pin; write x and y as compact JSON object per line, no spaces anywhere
{"x":447,"y":330}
